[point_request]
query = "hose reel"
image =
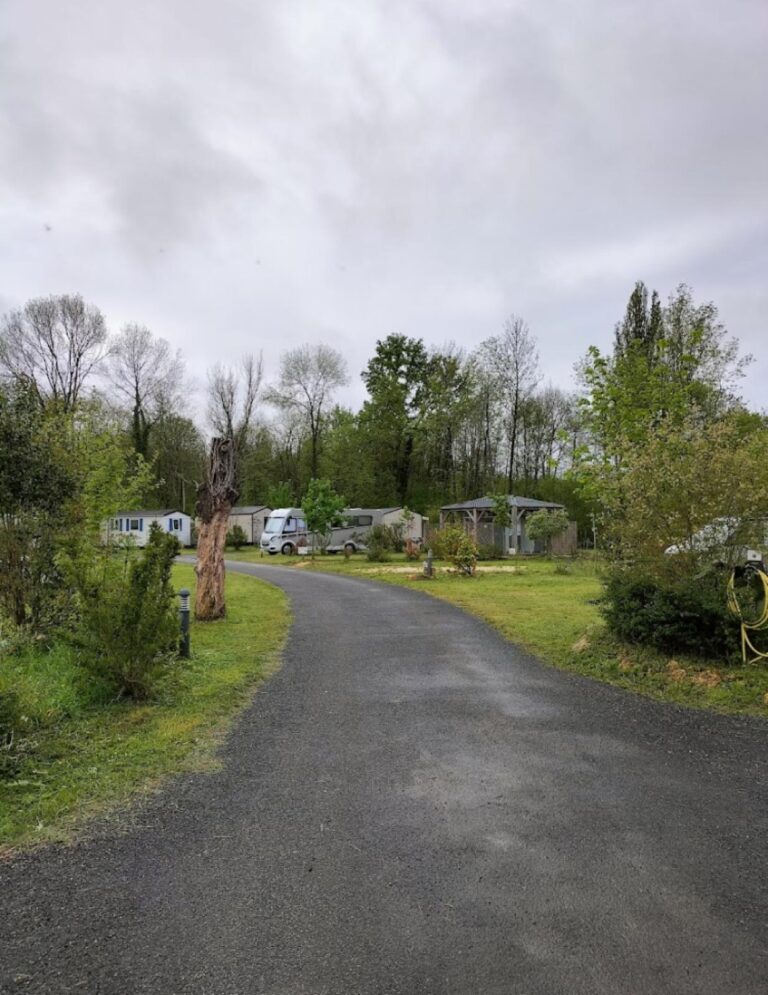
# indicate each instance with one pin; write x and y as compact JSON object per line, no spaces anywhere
{"x":756,"y":624}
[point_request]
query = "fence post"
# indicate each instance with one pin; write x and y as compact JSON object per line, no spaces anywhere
{"x":428,"y":568}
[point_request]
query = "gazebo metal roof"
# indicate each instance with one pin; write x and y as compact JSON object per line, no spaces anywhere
{"x":485,"y":504}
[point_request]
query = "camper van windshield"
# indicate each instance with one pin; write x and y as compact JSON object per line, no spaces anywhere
{"x":274,"y":525}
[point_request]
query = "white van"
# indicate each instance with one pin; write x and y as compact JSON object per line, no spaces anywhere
{"x":284,"y":531}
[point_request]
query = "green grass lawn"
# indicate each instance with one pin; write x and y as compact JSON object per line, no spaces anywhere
{"x":549,"y":608}
{"x":89,"y":759}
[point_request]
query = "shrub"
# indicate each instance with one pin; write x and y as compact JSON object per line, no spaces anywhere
{"x":488,"y":551}
{"x":380,"y":541}
{"x":680,"y":615}
{"x":129,"y":628}
{"x":444,"y":542}
{"x":465,"y":556}
{"x":378,"y":544}
{"x":236,"y":537}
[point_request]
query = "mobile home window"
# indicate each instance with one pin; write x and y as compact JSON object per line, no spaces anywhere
{"x":135,"y":524}
{"x":358,"y":521}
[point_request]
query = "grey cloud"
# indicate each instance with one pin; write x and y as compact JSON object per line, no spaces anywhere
{"x":268,"y":174}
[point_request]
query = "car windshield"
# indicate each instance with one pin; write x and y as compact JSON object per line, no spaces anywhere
{"x":274,"y":525}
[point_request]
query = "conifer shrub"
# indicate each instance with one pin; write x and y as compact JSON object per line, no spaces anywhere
{"x":128,"y":630}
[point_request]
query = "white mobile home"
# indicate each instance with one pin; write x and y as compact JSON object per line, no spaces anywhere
{"x":136,"y":525}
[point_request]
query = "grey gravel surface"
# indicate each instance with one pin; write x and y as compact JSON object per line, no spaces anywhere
{"x":412,"y":805}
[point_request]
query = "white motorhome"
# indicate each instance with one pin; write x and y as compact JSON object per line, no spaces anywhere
{"x":286,"y":531}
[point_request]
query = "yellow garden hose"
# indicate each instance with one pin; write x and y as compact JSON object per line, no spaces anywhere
{"x":749,"y":626}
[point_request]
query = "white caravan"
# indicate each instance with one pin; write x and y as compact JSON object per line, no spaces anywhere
{"x":286,"y":531}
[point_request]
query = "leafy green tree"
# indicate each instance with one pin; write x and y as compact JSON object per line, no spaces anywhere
{"x":396,"y":381}
{"x":38,"y":483}
{"x":177,"y":457}
{"x":545,"y":525}
{"x":322,"y":508}
{"x":643,"y":324}
{"x":348,"y":459}
{"x":502,"y":511}
{"x":280,"y":495}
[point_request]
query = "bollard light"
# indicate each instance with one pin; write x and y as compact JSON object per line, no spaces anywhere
{"x":184,"y":613}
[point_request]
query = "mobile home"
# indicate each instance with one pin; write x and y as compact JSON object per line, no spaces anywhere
{"x":135,"y":525}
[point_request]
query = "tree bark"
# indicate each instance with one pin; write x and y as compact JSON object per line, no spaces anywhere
{"x":215,"y":498}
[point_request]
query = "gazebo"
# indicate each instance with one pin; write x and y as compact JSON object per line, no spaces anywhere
{"x":476,"y":517}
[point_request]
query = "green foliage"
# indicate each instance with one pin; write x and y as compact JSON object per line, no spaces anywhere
{"x":465,"y":556}
{"x":87,"y":754}
{"x":444,"y":542}
{"x":488,"y":551}
{"x":129,"y":626}
{"x":687,"y":614}
{"x":38,"y":483}
{"x":322,"y":509}
{"x":11,"y":727}
{"x":545,"y":525}
{"x":280,"y":495}
{"x":452,"y":543}
{"x":236,"y":537}
{"x":682,"y":481}
{"x":381,"y":541}
{"x":502,"y":511}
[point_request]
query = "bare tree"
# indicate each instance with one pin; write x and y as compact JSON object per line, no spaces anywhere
{"x":232,"y":396}
{"x":53,"y":343}
{"x":148,"y":375}
{"x":512,"y":362}
{"x":309,"y":376}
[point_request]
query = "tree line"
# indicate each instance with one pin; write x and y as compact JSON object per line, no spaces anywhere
{"x":437,"y":424}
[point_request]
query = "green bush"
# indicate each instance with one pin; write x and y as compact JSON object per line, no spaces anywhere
{"x":128,"y":630}
{"x":380,"y":542}
{"x":454,"y":544}
{"x":681,"y":615}
{"x":236,"y":537}
{"x":488,"y":551}
{"x":465,"y":556}
{"x":444,"y":542}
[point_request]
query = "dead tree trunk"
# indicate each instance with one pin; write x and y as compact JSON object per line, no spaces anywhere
{"x":215,"y":498}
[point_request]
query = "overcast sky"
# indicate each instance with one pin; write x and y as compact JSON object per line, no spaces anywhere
{"x":242,"y":175}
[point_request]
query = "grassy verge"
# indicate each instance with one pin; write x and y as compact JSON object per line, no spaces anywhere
{"x":550,"y":610}
{"x":89,"y":759}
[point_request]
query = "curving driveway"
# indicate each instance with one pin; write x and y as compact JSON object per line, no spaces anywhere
{"x":412,"y":805}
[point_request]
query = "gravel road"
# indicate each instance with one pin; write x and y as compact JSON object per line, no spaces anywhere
{"x":412,"y":805}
